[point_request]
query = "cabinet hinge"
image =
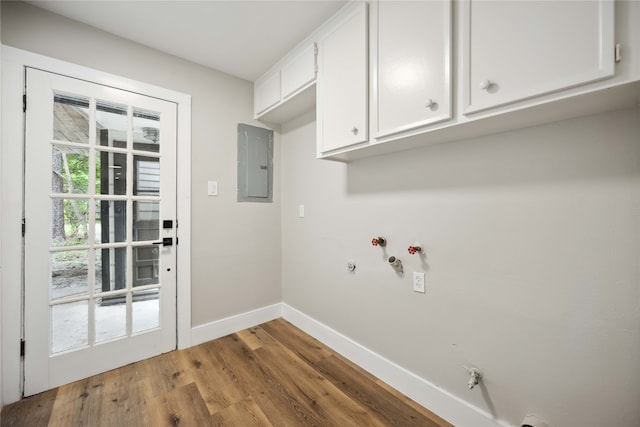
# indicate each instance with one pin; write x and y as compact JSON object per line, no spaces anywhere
{"x":22,"y":347}
{"x":176,"y":241}
{"x":618,"y":52}
{"x":24,"y":226}
{"x":315,"y":58}
{"x":24,"y":103}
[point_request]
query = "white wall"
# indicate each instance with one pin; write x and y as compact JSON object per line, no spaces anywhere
{"x":532,"y":273}
{"x":235,"y":247}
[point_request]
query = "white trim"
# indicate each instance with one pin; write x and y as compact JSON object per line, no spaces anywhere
{"x":13,"y":122}
{"x":439,"y":401}
{"x":230,"y":325}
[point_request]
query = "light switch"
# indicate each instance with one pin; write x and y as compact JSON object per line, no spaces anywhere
{"x":212,"y":188}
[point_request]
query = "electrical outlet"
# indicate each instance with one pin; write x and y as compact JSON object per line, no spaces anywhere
{"x":418,"y":282}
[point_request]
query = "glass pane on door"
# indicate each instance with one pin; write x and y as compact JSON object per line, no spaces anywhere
{"x":69,"y":326}
{"x":111,"y":124}
{"x":69,"y":274}
{"x":71,"y":118}
{"x":146,"y":130}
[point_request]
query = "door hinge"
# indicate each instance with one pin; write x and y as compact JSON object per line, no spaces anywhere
{"x":618,"y":52}
{"x":24,"y":103}
{"x":176,"y":241}
{"x":315,"y":48}
{"x":22,"y":347}
{"x":24,"y":226}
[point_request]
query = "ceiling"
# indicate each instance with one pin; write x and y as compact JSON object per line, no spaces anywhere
{"x":238,"y":37}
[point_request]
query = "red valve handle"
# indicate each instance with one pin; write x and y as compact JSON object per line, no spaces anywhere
{"x":374,"y":242}
{"x":414,"y":249}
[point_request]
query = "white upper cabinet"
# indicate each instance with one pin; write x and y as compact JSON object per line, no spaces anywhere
{"x":514,"y":50}
{"x":342,"y":85}
{"x":286,"y":90}
{"x":412,"y":85}
{"x":299,"y":71}
{"x":266,"y":92}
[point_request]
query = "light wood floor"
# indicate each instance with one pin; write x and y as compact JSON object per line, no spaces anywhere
{"x":270,"y":375}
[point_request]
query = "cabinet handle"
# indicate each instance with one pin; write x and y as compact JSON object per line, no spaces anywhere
{"x":354,"y":130}
{"x":428,"y":103}
{"x":485,"y":84}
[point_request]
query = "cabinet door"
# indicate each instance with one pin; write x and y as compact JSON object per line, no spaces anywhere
{"x":413,"y":86}
{"x":342,"y":83}
{"x":299,"y":71}
{"x":267,"y":92}
{"x":515,"y":50}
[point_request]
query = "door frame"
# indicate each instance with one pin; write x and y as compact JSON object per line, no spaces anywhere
{"x":12,"y":146}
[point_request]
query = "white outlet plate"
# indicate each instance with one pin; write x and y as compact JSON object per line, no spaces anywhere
{"x":418,"y":282}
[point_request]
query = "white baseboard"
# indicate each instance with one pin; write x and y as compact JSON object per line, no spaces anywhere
{"x":230,"y":325}
{"x":439,"y":401}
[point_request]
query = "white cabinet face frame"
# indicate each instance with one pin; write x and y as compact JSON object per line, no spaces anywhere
{"x":343,"y":83}
{"x":513,"y":51}
{"x":411,"y":65}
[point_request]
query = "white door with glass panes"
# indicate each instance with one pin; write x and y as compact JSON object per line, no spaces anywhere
{"x":100,"y":209}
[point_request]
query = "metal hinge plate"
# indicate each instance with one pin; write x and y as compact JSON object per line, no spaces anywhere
{"x":24,"y":226}
{"x":24,"y":103}
{"x":618,"y":52}
{"x":315,"y":58}
{"x":22,"y":347}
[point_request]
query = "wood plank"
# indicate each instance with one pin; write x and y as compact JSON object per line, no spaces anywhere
{"x":217,"y":387}
{"x":441,"y":422}
{"x":387,"y":407}
{"x":164,"y":373}
{"x":182,"y":406}
{"x":304,"y":346}
{"x":322,"y":398}
{"x":124,"y":403}
{"x":280,"y":407}
{"x":37,"y":409}
{"x":243,"y":413}
{"x":254,"y":337}
{"x":78,"y":403}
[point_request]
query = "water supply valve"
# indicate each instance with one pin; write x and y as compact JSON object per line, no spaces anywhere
{"x":413,"y":249}
{"x":379,"y":241}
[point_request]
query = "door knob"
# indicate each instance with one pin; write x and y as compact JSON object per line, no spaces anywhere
{"x":428,"y":103}
{"x":354,"y":130}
